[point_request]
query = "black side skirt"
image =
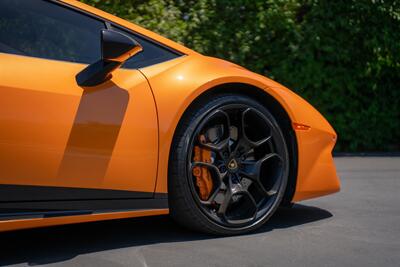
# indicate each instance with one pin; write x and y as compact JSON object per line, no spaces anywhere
{"x":17,"y":202}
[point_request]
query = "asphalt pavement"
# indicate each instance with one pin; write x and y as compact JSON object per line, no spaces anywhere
{"x":360,"y":226}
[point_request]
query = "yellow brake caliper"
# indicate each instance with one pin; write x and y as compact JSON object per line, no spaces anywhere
{"x":203,"y":177}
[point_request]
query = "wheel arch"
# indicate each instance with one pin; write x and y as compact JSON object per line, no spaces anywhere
{"x":277,"y":110}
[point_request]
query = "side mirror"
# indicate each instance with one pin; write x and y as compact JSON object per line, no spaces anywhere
{"x":116,"y":48}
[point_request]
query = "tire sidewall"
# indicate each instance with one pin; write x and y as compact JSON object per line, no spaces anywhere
{"x":185,"y":134}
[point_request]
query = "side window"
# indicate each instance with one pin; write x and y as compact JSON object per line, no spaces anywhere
{"x":46,"y":30}
{"x":152,"y":52}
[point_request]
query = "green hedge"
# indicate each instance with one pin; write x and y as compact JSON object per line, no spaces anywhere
{"x":342,"y":56}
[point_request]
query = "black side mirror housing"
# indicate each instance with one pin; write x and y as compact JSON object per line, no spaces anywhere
{"x":116,"y":48}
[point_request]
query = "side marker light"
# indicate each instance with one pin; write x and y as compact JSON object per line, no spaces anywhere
{"x":300,"y":127}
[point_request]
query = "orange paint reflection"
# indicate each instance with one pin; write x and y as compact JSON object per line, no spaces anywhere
{"x":94,"y":133}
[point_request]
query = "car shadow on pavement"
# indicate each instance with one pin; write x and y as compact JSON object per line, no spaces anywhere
{"x":62,"y":243}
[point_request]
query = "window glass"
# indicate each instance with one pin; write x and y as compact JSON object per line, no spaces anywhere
{"x":152,"y":53}
{"x":46,"y":30}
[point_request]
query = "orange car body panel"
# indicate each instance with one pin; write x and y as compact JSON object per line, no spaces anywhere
{"x":316,"y":170}
{"x":55,"y":133}
{"x":138,"y":138}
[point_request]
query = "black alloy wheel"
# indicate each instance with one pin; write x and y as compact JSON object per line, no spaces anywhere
{"x":248,"y":166}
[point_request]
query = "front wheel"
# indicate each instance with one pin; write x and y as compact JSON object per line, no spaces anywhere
{"x":228,"y":166}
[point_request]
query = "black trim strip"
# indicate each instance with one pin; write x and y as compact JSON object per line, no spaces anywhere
{"x":92,"y":15}
{"x":46,"y":209}
{"x":110,"y":204}
{"x":22,"y":193}
{"x":27,"y":201}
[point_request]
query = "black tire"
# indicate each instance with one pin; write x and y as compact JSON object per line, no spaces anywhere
{"x":186,"y":206}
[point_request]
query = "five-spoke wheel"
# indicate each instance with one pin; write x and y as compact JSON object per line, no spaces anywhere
{"x":236,"y":165}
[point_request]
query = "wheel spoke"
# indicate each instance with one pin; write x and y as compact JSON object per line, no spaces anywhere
{"x":219,"y":147}
{"x":237,"y":190}
{"x":237,"y":160}
{"x":244,"y":144}
{"x":252,"y":144}
{"x":231,"y":190}
{"x":211,"y":199}
{"x":260,"y":142}
{"x":222,"y":145}
{"x":214,"y":169}
{"x":249,"y":218}
{"x":252,"y":171}
{"x":227,"y":199}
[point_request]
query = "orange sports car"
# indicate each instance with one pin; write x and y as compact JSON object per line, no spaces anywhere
{"x":101,"y":119}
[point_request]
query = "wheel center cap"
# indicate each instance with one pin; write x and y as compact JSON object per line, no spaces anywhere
{"x":232,"y":165}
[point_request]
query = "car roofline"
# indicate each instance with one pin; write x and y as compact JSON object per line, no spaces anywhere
{"x":107,"y":17}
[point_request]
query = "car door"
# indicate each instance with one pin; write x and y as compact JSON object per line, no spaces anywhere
{"x":60,"y":141}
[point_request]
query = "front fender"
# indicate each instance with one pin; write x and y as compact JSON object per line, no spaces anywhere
{"x":177,"y":83}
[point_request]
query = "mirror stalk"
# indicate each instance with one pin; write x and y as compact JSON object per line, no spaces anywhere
{"x":116,"y":48}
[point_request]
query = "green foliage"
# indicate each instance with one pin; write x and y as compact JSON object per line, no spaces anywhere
{"x":342,"y":56}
